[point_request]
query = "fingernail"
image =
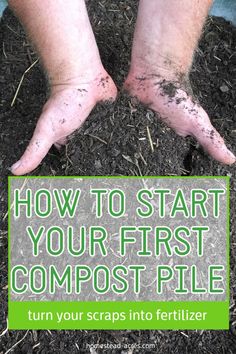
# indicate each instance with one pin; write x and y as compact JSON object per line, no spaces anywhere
{"x":16,"y":165}
{"x":232,"y":155}
{"x":231,"y":158}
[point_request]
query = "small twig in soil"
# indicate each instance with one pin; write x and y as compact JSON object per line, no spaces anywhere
{"x":21,"y":340}
{"x":21,"y":81}
{"x":22,"y":187}
{"x":97,"y":137}
{"x":5,"y":330}
{"x":150,"y":139}
{"x":12,"y":30}
{"x":36,"y":345}
{"x":3,"y":50}
{"x":142,"y":158}
{"x":184,"y":334}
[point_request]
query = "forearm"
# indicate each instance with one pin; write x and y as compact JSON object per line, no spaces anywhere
{"x":60,"y":33}
{"x":175,"y":31}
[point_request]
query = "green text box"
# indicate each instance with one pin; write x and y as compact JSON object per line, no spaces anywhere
{"x":215,"y":314}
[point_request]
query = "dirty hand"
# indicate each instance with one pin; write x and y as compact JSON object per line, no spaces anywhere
{"x":166,"y":35}
{"x":63,"y":36}
{"x":181,"y":112}
{"x":65,"y":112}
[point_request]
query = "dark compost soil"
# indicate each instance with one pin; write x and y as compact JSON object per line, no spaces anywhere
{"x":114,"y":141}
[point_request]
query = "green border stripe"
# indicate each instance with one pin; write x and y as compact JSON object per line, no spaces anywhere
{"x":217,"y":312}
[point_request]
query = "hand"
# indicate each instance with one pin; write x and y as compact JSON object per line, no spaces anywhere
{"x":66,"y":110}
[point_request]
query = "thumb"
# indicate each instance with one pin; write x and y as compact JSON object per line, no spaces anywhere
{"x":37,"y":149}
{"x":211,"y":140}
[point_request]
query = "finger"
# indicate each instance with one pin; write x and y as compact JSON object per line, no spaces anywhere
{"x":37,"y":149}
{"x":211,"y":140}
